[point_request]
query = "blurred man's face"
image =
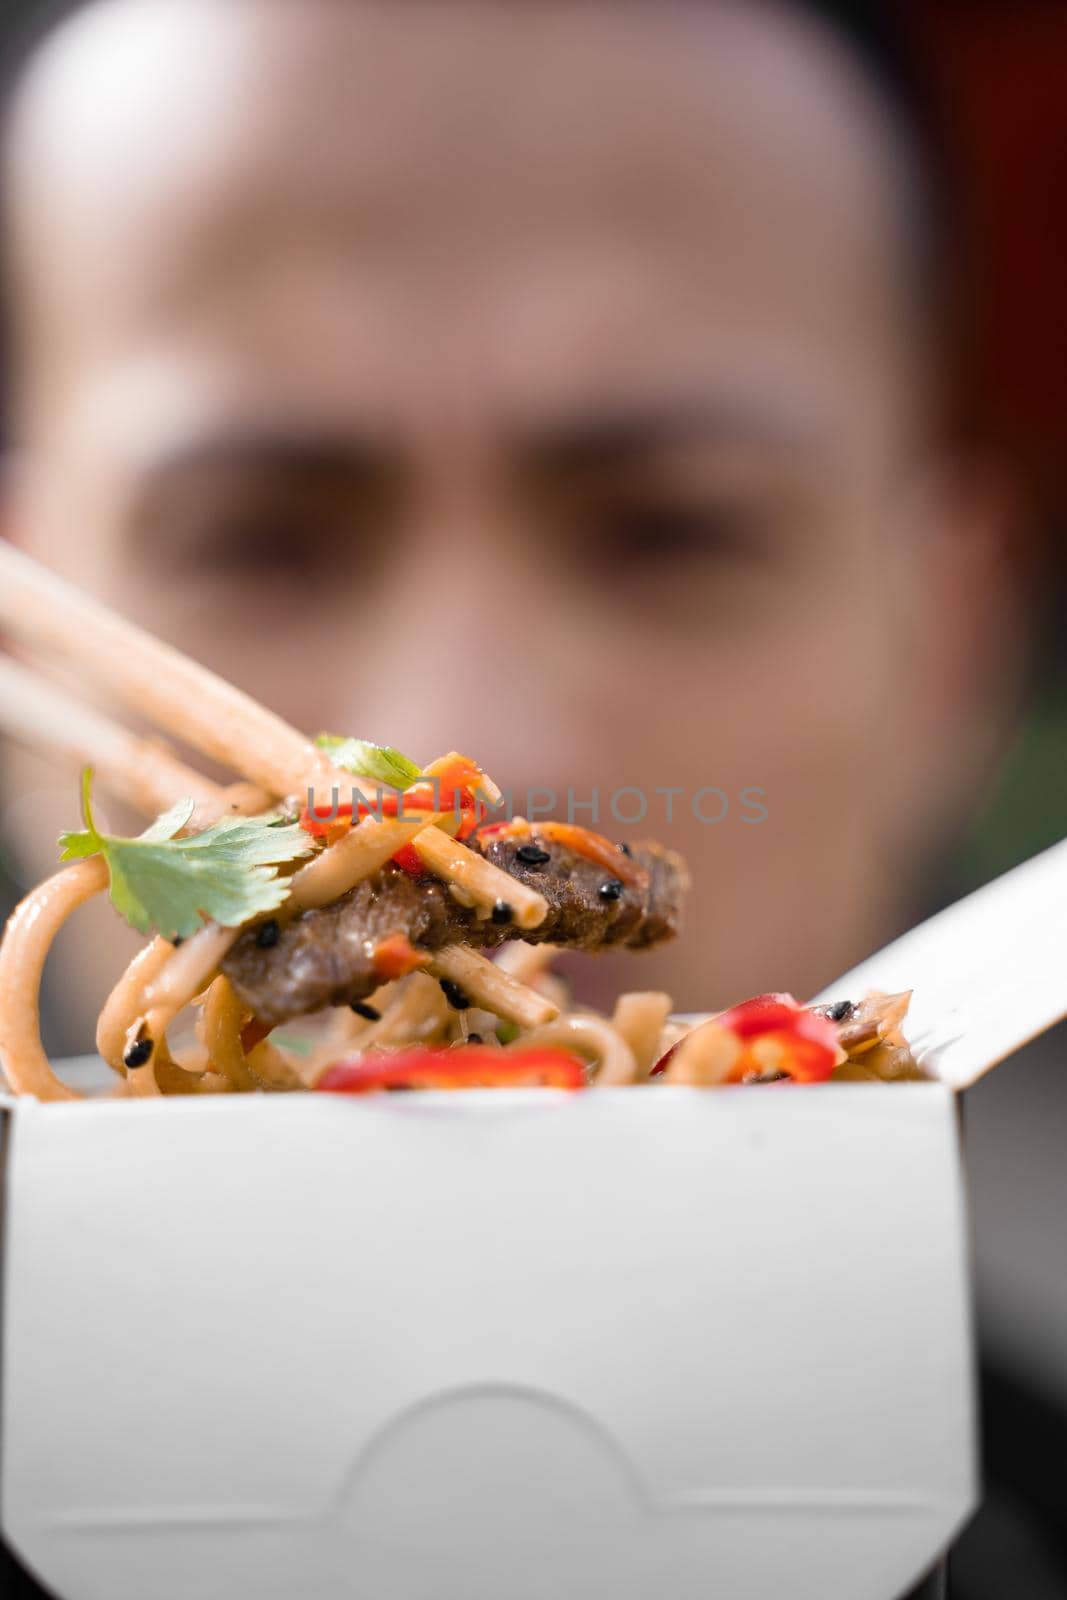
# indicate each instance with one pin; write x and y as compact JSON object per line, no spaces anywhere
{"x":532,"y":380}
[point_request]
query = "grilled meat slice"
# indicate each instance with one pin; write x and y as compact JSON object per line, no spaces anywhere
{"x":329,"y":956}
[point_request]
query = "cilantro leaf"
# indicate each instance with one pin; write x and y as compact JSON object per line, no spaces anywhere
{"x":227,"y":874}
{"x":366,"y":760}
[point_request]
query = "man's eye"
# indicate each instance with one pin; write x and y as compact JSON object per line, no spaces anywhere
{"x":265,"y":547}
{"x":631,"y":536}
{"x":267,"y":544}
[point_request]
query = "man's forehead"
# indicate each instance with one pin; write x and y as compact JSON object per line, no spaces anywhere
{"x":164,"y":147}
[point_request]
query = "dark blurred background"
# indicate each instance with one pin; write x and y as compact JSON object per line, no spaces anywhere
{"x":995,"y":76}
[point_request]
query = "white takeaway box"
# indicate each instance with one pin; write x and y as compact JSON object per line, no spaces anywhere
{"x":498,"y":1345}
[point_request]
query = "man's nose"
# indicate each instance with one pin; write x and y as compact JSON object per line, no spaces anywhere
{"x":465,"y":649}
{"x":444,"y":644}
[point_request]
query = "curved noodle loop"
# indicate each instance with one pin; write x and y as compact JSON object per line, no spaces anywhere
{"x":23,"y":953}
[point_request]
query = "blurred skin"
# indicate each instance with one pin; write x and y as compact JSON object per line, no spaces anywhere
{"x":540,"y":381}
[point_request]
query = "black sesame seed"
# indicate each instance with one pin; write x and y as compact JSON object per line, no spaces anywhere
{"x":138,"y":1053}
{"x":268,"y":934}
{"x":610,"y":889}
{"x":531,"y":855}
{"x":362,"y":1009}
{"x":502,"y":913}
{"x":625,"y":848}
{"x":840,"y":1011}
{"x":474,"y":1038}
{"x":177,"y":940}
{"x":457,"y":997}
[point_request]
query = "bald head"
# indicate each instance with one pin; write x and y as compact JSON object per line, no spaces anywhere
{"x":182,"y":148}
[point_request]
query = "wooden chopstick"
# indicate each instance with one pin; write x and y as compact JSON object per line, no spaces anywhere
{"x":175,"y":693}
{"x":139,"y":772}
{"x":194,"y":704}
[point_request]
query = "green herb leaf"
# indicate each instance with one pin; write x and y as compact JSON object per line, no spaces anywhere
{"x":366,"y":760}
{"x":160,"y":883}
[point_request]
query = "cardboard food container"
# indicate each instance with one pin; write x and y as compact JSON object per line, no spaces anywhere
{"x":498,"y":1345}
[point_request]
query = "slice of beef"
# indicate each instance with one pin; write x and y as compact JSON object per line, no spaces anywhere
{"x":328,"y":957}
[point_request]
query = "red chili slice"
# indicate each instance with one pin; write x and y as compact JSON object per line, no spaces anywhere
{"x":787,"y":1050}
{"x":664,"y":1061}
{"x":254,"y":1033}
{"x":462,"y":1067}
{"x":515,"y":829}
{"x":395,"y":957}
{"x":791,"y":1039}
{"x":448,"y":790}
{"x":594,"y":847}
{"x":760,"y":1014}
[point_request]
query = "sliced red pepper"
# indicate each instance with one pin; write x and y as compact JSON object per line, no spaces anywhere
{"x":759,"y":1015}
{"x":788,"y":1050}
{"x":664,"y":1061}
{"x":447,"y":789}
{"x":459,"y":801}
{"x":322,"y":826}
{"x":779,"y":1035}
{"x":516,"y":828}
{"x":462,"y":1067}
{"x":409,"y":859}
{"x":583,"y":841}
{"x":254,"y":1033}
{"x":594,"y":847}
{"x":395,"y":957}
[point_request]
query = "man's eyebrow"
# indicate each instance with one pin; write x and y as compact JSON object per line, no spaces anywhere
{"x":306,"y":454}
{"x":617,"y":434}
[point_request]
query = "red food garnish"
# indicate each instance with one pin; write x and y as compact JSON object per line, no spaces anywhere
{"x":760,"y":1015}
{"x":329,"y":827}
{"x":462,"y":1067}
{"x":448,"y":788}
{"x":664,"y":1061}
{"x":515,"y":829}
{"x":779,"y":1036}
{"x":395,"y":957}
{"x":254,"y":1033}
{"x":594,"y":846}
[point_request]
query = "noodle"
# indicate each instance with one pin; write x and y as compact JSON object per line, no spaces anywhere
{"x":489,"y":986}
{"x":141,"y":1083}
{"x":595,"y":1039}
{"x":273,"y":1070}
{"x":124,"y":1003}
{"x":188,"y":972}
{"x":359,"y":854}
{"x":23,"y":952}
{"x":639,"y":1018}
{"x":705,"y":1058}
{"x":262,"y":1067}
{"x":417,"y":1013}
{"x":485,"y":884}
{"x":220,"y":1026}
{"x":192,"y":1079}
{"x":526,"y":963}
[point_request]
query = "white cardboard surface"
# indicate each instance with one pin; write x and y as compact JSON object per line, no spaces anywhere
{"x":490,"y":1346}
{"x":986,"y":974}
